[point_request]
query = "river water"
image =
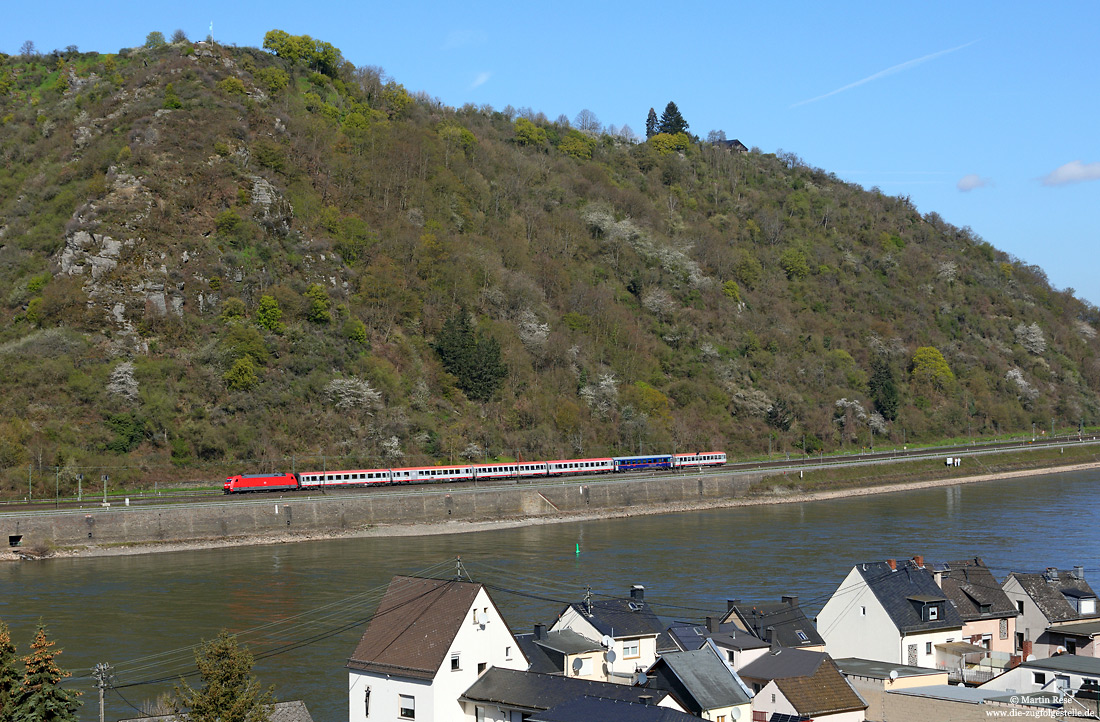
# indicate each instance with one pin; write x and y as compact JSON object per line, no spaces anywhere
{"x":305,"y":604}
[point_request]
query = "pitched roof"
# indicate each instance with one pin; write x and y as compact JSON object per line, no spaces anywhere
{"x":1067,"y":663}
{"x":547,"y":653}
{"x":970,"y":586}
{"x":824,"y":692}
{"x":413,"y":627}
{"x":782,"y":622}
{"x":620,"y":618}
{"x":293,"y":711}
{"x":1048,"y":591}
{"x":784,"y":662}
{"x":585,"y":709}
{"x":535,"y":691}
{"x":703,"y":676}
{"x":902,"y":591}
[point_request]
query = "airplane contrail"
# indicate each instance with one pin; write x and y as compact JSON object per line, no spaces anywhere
{"x":883,"y":73}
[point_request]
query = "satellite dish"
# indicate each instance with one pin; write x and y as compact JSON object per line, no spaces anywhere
{"x":893,"y":674}
{"x":735,"y":714}
{"x":609,"y":655}
{"x":607,"y":641}
{"x":1030,"y":658}
{"x":577,"y":664}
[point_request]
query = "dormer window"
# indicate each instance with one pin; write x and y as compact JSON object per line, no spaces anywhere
{"x":985,"y":608}
{"x":933,"y":612}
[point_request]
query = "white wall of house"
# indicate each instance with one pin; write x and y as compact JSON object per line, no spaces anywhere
{"x":631,"y":653}
{"x":854,"y":624}
{"x":770,"y":700}
{"x":1025,"y":680}
{"x":1032,"y":622}
{"x":732,"y":712}
{"x":925,"y":642}
{"x":483,"y":641}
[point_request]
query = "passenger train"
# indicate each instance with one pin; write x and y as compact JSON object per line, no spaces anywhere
{"x":434,"y":474}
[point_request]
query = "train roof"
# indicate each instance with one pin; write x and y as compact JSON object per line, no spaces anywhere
{"x":561,"y":461}
{"x":259,"y":476}
{"x":345,"y":471}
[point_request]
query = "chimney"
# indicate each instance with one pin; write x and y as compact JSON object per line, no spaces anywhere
{"x":540,"y":631}
{"x":790,"y":600}
{"x":769,"y":635}
{"x":1025,"y":650}
{"x":893,"y":564}
{"x":712,"y":625}
{"x":731,"y":603}
{"x":1014,"y":661}
{"x":1052,"y":574}
{"x":918,"y":559}
{"x":637,"y":592}
{"x":1079,"y":572}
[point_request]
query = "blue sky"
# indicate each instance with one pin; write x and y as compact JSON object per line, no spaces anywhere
{"x":986,"y":113}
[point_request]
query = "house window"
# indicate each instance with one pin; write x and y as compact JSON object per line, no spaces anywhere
{"x":475,"y":615}
{"x":366,"y":703}
{"x":1019,"y":641}
{"x":863,"y":611}
{"x":1071,"y":645}
{"x":801,"y":635}
{"x":928,"y":648}
{"x":508,"y":652}
{"x":480,"y":667}
{"x":408,"y":707}
{"x":933,"y":612}
{"x":1020,"y":606}
{"x":455,"y":666}
{"x":1039,"y":678}
{"x":631,"y":649}
{"x":1003,"y":629}
{"x":759,"y":716}
{"x":987,"y":641}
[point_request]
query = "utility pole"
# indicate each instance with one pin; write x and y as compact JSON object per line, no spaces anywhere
{"x":57,"y":487}
{"x":106,"y":477}
{"x":79,"y":489}
{"x":102,"y":674}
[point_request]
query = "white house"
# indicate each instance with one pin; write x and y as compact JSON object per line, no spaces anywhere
{"x":626,"y":627}
{"x":428,"y":641}
{"x":1051,"y":598}
{"x":890,"y":611}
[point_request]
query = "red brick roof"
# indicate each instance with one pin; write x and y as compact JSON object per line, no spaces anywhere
{"x":414,"y":626}
{"x":824,"y":692}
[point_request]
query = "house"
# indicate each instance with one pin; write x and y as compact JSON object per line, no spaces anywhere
{"x":703,"y":683}
{"x":586,"y":709}
{"x":1052,"y":597}
{"x":781,"y":624}
{"x":738,"y":646}
{"x":1070,"y":681}
{"x":507,"y":695}
{"x":892,"y":612}
{"x":294,"y":711}
{"x":1076,"y":637}
{"x":989,"y":616}
{"x":802,"y":685}
{"x":734,"y":146}
{"x":627,"y":627}
{"x":428,"y":641}
{"x":556,"y":652}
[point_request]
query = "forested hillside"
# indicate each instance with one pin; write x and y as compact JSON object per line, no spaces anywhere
{"x":216,"y":258}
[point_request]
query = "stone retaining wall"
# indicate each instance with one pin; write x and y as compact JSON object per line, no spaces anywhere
{"x":261,"y":515}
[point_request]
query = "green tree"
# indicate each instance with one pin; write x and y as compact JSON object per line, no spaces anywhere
{"x":577,"y":145}
{"x":179,"y":36}
{"x":355,"y":330}
{"x":242,"y":375}
{"x":273,"y":79}
{"x":527,"y":133}
{"x":171,"y":99}
{"x":794,"y":264}
{"x":232,"y":310}
{"x":472,"y":359}
{"x":930,"y":367}
{"x":228,"y":691}
{"x":269,"y":315}
{"x":671,"y":120}
{"x":883,"y":388}
{"x":232,"y":86}
{"x":651,"y":124}
{"x":319,"y":304}
{"x":730,"y":289}
{"x":40,"y":698}
{"x":9,"y":674}
{"x":154,"y":39}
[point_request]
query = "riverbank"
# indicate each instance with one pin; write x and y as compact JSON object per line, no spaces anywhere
{"x":771,"y":494}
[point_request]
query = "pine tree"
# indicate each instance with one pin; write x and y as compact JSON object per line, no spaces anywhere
{"x":651,"y":124}
{"x":40,"y":699}
{"x":671,"y":120}
{"x":9,"y":675}
{"x":883,"y":388}
{"x":473,"y":359}
{"x":229,"y":692}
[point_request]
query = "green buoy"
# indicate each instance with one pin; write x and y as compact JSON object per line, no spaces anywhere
{"x":578,"y":548}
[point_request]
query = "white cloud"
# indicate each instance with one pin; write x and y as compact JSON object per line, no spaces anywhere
{"x":883,"y":73}
{"x":480,"y":80}
{"x":971,"y":181}
{"x":1073,"y":172}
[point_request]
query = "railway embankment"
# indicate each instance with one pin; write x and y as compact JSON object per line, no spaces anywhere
{"x":261,"y":518}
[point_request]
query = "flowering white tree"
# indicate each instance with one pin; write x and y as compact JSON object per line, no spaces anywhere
{"x":1031,"y":338}
{"x":352,"y":393}
{"x":603,"y":395}
{"x":123,"y":383}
